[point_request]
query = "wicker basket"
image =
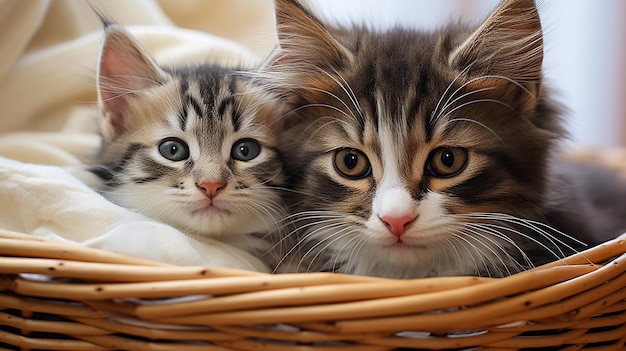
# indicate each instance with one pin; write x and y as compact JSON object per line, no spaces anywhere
{"x":59,"y":297}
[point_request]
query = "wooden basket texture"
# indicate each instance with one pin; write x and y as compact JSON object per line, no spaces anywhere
{"x":55,"y":296}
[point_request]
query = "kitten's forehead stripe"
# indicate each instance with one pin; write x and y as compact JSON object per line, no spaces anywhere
{"x":232,"y":85}
{"x":184,"y":113}
{"x":222,"y":105}
{"x":237,"y":109}
{"x":227,"y":106}
{"x":195,"y":105}
{"x":182,"y":117}
{"x":207,"y":86}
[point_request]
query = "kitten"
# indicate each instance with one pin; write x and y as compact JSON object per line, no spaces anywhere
{"x":417,"y":154}
{"x":193,"y":147}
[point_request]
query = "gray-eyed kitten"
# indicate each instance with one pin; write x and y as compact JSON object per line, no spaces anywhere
{"x":193,"y":146}
{"x":418,"y":154}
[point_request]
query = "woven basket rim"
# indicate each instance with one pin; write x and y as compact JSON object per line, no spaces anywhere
{"x":103,"y":294}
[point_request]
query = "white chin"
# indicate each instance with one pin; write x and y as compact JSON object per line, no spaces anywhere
{"x":223,"y":224}
{"x":398,"y":261}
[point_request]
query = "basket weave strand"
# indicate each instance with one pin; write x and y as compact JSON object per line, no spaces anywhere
{"x":56,"y":296}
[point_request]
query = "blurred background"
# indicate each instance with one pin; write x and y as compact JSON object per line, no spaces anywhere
{"x":585,"y":51}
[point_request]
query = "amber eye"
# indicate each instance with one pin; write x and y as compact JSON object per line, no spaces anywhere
{"x":352,"y":163}
{"x":446,"y":162}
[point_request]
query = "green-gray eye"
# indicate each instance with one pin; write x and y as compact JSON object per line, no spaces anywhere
{"x":446,"y":162}
{"x":352,"y":163}
{"x":245,"y":150}
{"x":174,"y":149}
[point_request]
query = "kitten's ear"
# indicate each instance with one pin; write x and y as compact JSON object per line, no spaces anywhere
{"x":509,"y":43}
{"x":303,"y":39}
{"x":124,"y":70}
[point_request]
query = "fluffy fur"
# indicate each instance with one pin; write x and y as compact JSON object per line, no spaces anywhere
{"x":418,"y":154}
{"x":193,"y":147}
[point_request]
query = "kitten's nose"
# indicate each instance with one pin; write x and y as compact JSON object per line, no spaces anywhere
{"x":398,"y":225}
{"x":211,"y":189}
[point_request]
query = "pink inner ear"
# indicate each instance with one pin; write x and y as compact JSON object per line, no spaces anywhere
{"x":114,"y":102}
{"x":124,"y":69}
{"x":115,"y":108}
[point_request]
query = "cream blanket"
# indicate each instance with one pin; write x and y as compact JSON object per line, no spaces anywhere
{"x":48,"y":120}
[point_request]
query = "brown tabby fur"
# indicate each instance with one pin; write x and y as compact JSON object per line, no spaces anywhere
{"x":397,"y":97}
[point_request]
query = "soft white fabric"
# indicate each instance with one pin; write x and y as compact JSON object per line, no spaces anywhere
{"x":48,"y":119}
{"x":48,"y":201}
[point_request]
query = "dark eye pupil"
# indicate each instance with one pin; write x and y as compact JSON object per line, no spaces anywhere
{"x":173,"y":150}
{"x":244,"y":150}
{"x":447,"y":158}
{"x":351,"y":161}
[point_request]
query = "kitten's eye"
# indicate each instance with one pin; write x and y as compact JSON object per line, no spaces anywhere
{"x":245,"y":150}
{"x":352,"y":163}
{"x":174,"y":149}
{"x":447,"y":162}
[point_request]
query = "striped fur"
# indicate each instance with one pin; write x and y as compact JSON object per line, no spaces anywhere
{"x":210,"y":109}
{"x":405,"y":100}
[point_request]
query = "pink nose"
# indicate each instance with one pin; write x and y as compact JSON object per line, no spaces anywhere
{"x":211,"y":189}
{"x":398,"y":225}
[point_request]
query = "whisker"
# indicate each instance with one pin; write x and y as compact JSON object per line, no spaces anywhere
{"x":350,"y":93}
{"x":471,"y":102}
{"x":460,"y":119}
{"x":464,"y":71}
{"x":340,"y":234}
